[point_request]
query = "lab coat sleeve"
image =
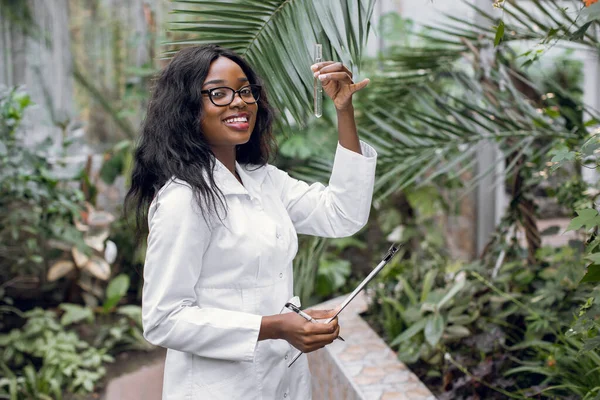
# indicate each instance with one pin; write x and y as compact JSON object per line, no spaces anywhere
{"x":339,"y":209}
{"x":178,"y":237}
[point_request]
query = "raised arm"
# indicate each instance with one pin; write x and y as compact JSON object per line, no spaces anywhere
{"x":341,"y":208}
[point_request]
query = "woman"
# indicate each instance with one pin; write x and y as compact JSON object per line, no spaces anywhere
{"x":223,"y":227}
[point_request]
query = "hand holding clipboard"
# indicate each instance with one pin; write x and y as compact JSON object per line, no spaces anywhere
{"x":388,"y":256}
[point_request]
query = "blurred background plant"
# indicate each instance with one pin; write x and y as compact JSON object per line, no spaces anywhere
{"x":55,"y":250}
{"x":529,"y":311}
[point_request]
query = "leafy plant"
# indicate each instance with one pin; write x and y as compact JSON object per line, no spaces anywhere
{"x":553,"y":23}
{"x":37,"y":206}
{"x":42,"y":359}
{"x":48,"y":356}
{"x":89,"y":266}
{"x":334,"y":270}
{"x":417,"y":314}
{"x":116,"y":328}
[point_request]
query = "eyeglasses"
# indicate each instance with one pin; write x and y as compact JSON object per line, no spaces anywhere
{"x":223,"y":96}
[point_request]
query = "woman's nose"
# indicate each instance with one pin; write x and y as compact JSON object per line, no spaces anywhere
{"x":238,"y":101}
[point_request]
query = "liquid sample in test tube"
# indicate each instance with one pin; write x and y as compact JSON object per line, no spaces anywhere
{"x":317,"y":86}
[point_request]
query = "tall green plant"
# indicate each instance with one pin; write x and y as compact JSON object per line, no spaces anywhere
{"x":434,"y":103}
{"x":36,"y":206}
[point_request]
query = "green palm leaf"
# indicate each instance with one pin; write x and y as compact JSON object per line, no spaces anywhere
{"x":428,"y":110}
{"x":277,"y":38}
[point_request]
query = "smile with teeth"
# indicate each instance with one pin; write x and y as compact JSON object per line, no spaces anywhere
{"x":236,"y":119}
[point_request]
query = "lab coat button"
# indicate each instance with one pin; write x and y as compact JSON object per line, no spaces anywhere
{"x":284,"y":395}
{"x":278,"y":236}
{"x":281,"y":274}
{"x":286,"y":356}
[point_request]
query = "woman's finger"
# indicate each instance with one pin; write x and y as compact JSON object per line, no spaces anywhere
{"x":336,"y":76}
{"x":317,"y":66}
{"x":323,"y":339}
{"x":335,"y":67}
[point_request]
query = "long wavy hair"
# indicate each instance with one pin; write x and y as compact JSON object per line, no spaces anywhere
{"x":171,"y":142}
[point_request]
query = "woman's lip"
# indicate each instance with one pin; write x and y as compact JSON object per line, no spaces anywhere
{"x":238,"y":126}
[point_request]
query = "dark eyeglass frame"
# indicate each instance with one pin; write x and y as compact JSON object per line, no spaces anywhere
{"x":234,"y":92}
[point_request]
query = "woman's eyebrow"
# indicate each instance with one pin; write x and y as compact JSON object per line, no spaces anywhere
{"x":222,"y":81}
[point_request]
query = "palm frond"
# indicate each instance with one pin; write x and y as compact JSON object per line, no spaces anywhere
{"x":424,"y":134}
{"x":277,"y":38}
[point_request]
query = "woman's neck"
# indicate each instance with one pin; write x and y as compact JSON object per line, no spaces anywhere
{"x":227,"y":157}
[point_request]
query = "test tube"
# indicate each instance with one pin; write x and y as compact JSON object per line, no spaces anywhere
{"x":317,"y":86}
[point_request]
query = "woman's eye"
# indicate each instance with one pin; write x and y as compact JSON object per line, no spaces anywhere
{"x":246,"y":92}
{"x":218,"y":93}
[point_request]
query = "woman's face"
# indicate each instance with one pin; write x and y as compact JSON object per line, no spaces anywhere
{"x":227,"y":126}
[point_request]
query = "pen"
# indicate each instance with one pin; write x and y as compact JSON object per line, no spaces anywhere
{"x":297,"y":310}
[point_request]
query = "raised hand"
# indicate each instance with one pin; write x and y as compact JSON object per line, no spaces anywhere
{"x":337,"y":82}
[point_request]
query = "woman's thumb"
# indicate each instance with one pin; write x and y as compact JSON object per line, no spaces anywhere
{"x":360,"y":85}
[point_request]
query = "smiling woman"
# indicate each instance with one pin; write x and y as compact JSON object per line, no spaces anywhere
{"x":223,"y":227}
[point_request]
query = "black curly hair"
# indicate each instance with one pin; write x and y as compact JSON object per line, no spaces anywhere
{"x":171,"y":142}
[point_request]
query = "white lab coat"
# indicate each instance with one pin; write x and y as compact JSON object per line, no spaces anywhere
{"x":207,"y":282}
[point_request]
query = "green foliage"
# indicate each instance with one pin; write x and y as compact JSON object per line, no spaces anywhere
{"x":395,"y":30}
{"x":74,"y":313}
{"x":593,"y":272}
{"x":43,"y":359}
{"x":331,"y":275}
{"x":417,"y":308}
{"x":587,"y":218}
{"x":118,"y":328}
{"x":117,"y":288}
{"x":306,"y":262}
{"x":118,"y":161}
{"x":38,"y":210}
{"x":443,"y":315}
{"x":124,"y":332}
{"x":499,"y":33}
{"x":320,"y":269}
{"x":553,"y":23}
{"x":572,"y":361}
{"x":47,"y":357}
{"x":427,"y":111}
{"x":36,"y":206}
{"x":317,"y":139}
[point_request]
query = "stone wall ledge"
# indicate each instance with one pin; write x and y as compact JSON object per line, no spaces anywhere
{"x":363,"y":367}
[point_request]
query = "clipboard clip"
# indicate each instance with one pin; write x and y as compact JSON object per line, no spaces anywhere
{"x":391,"y":252}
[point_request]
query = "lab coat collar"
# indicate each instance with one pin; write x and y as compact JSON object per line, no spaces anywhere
{"x":252,"y":176}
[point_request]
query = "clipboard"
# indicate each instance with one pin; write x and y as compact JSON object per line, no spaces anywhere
{"x":386,"y":258}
